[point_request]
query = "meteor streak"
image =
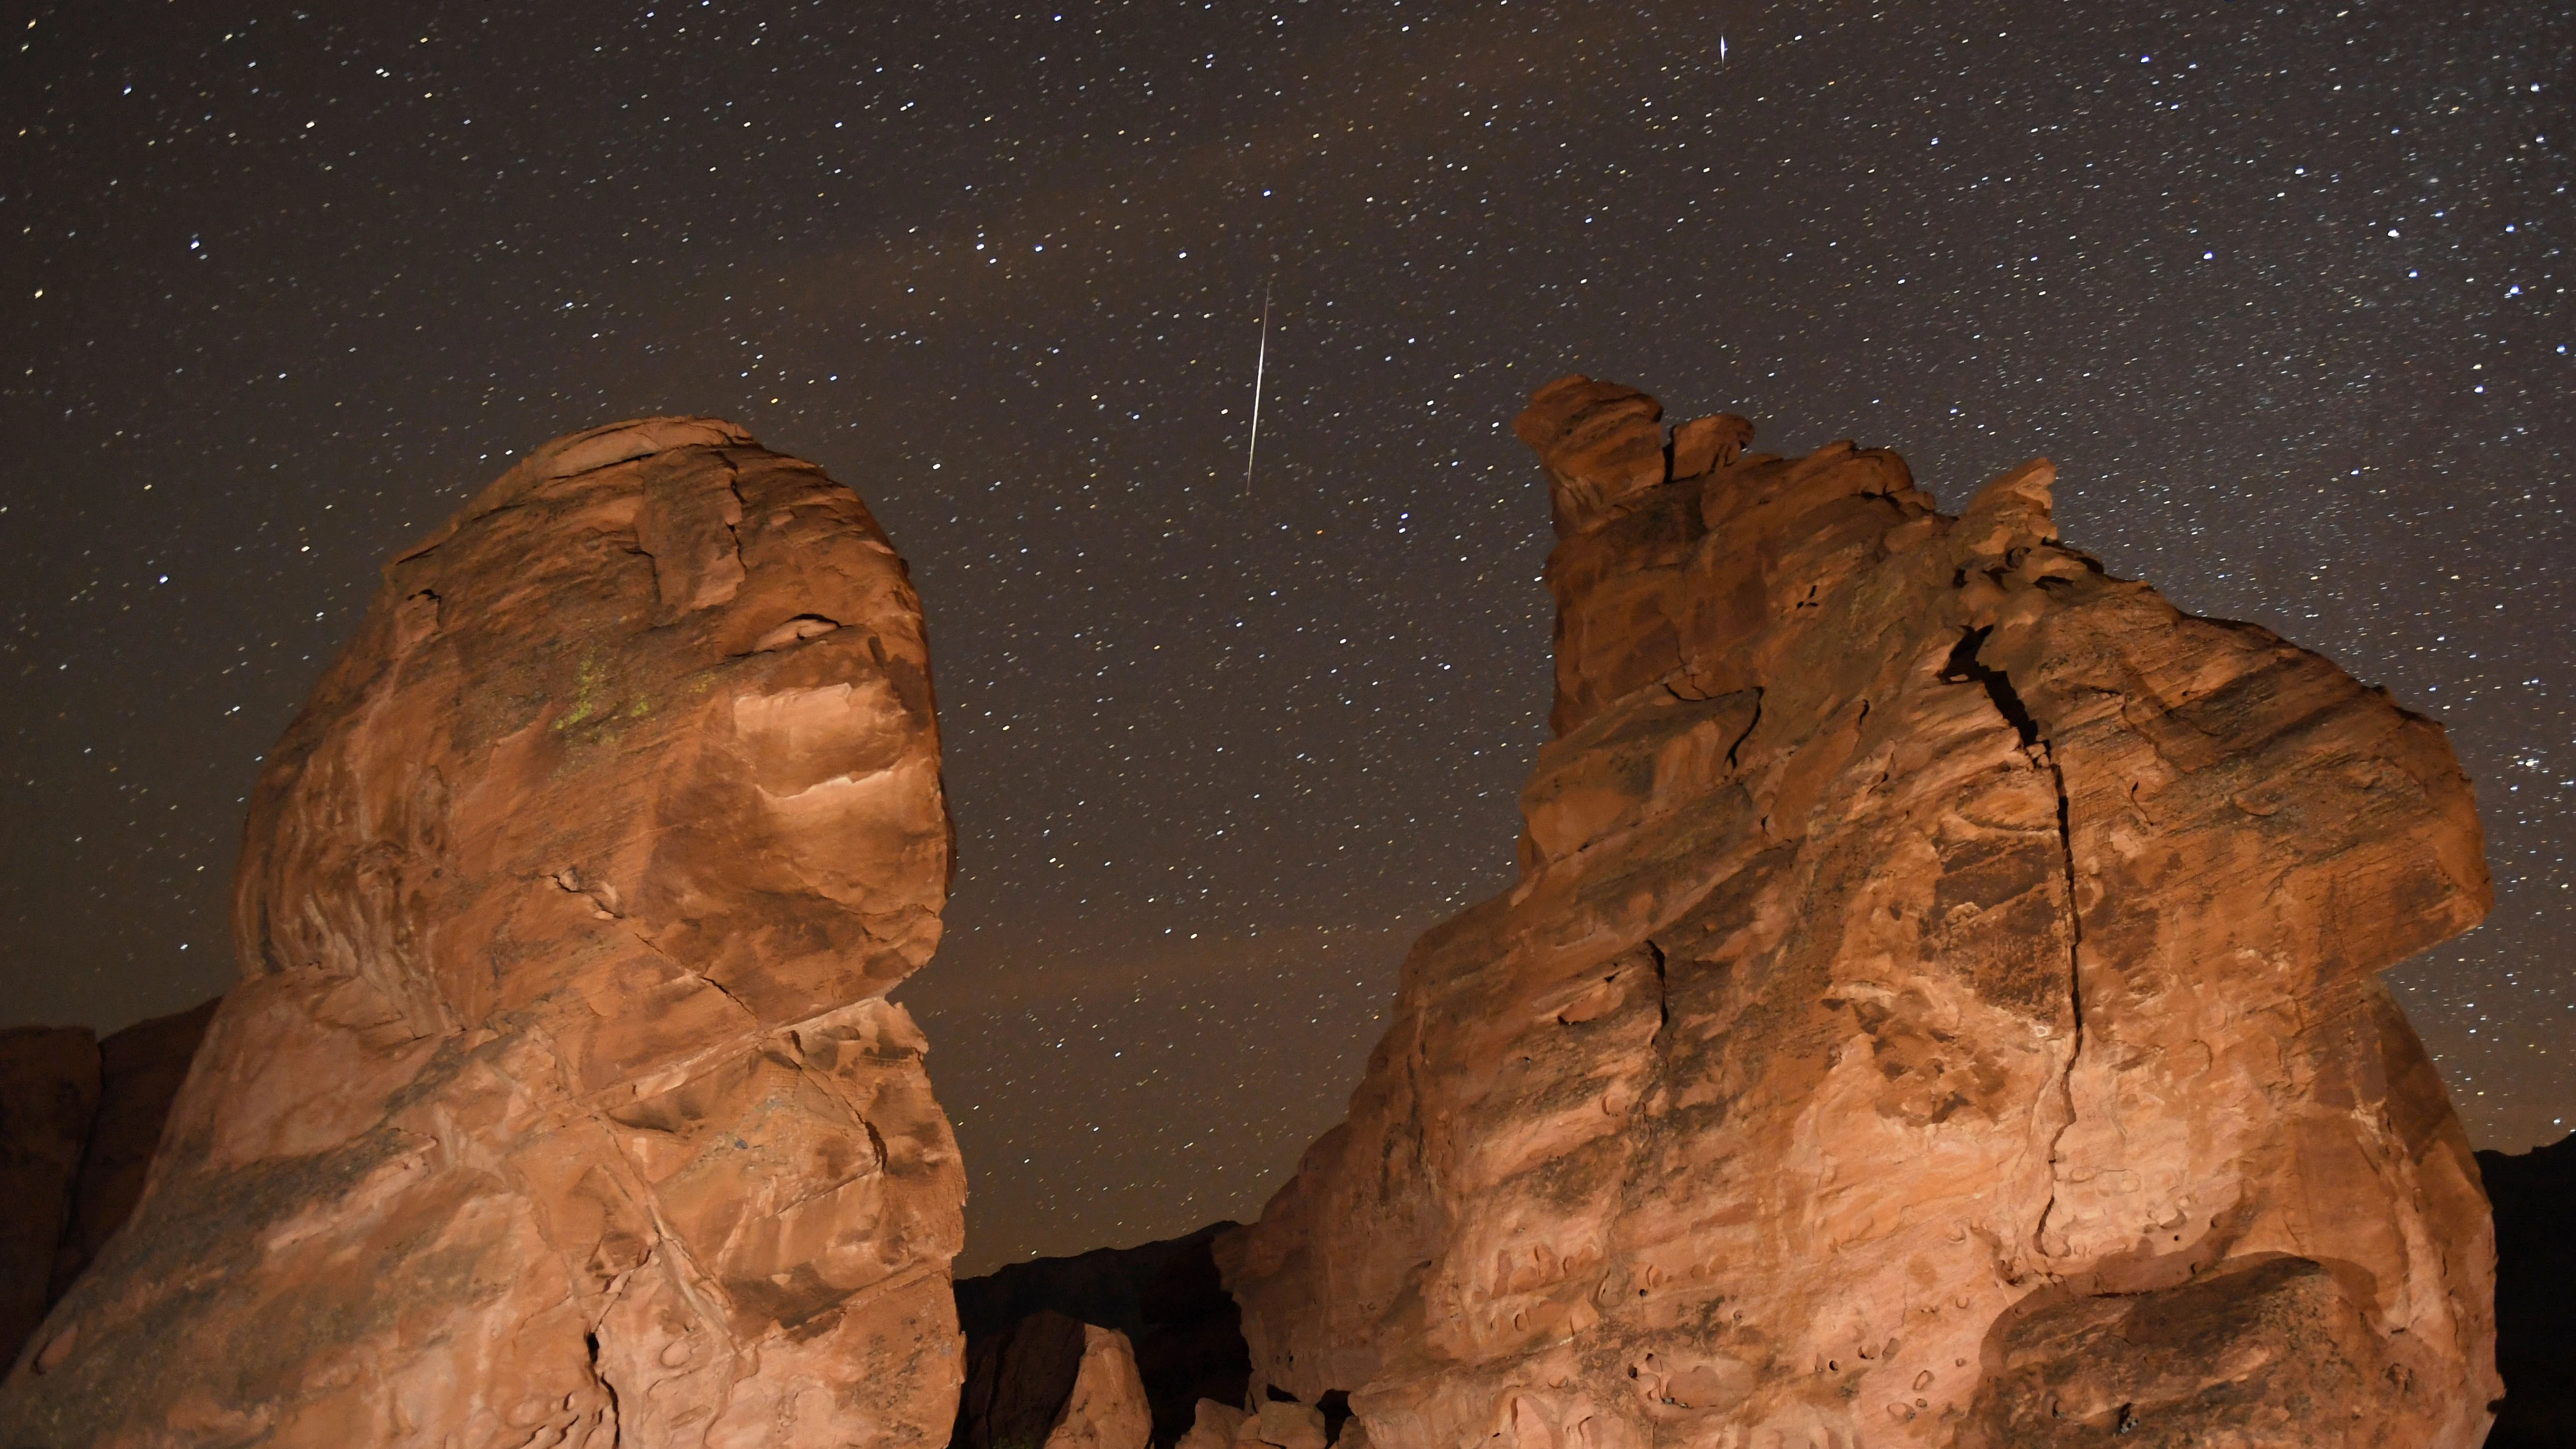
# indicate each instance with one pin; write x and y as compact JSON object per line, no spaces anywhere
{"x":1260,"y":361}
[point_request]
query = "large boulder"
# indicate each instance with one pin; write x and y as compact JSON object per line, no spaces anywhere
{"x":1939,"y":1007}
{"x":560,"y":1101}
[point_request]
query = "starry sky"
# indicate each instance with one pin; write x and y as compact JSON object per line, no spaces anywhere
{"x":2282,"y":288}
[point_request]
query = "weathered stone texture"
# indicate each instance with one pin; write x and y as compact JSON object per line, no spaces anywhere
{"x":560,"y":1101}
{"x":1939,"y":1007}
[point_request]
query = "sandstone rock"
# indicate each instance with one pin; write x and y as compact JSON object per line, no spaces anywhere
{"x":2535,"y":1202}
{"x":1048,"y":1379}
{"x":1212,"y":1426}
{"x":140,"y":1069}
{"x":1705,"y":443}
{"x":1282,"y":1424}
{"x":1018,"y":1380}
{"x":1107,"y":1408}
{"x":1939,"y":1007}
{"x":1599,"y":444}
{"x":48,"y":1095}
{"x":1187,"y":1335}
{"x":560,"y":1101}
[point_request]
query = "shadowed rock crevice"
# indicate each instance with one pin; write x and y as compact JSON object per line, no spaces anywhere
{"x":1964,"y":667}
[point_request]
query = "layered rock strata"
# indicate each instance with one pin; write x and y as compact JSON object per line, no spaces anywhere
{"x":1939,"y":1006}
{"x":560,"y":1101}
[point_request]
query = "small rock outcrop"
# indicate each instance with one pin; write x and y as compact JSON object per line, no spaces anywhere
{"x":1052,"y":1380}
{"x":49,"y":1083}
{"x":141,"y":1069}
{"x":2535,"y":1202}
{"x":560,"y":1101}
{"x":79,"y":1118}
{"x":1164,"y":1299}
{"x":1939,"y":1007}
{"x":1107,"y":1408}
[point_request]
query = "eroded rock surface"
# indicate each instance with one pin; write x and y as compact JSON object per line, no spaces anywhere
{"x":1939,"y":1007}
{"x":560,"y":1102}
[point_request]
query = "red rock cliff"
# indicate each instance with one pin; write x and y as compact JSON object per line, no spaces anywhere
{"x":1939,"y":1007}
{"x":560,"y":1102}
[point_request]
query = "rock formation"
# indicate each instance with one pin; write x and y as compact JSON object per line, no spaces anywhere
{"x":1107,"y":1408}
{"x":49,"y":1084}
{"x":140,"y":1072}
{"x":2535,"y":1200}
{"x":560,"y":1101}
{"x":1278,"y":1422}
{"x":79,"y":1118}
{"x":1052,"y":1380}
{"x":1938,"y":1007}
{"x":1164,"y":1298}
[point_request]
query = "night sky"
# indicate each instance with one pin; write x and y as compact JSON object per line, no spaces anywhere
{"x":2283,"y":289}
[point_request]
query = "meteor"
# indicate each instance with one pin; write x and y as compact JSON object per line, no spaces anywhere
{"x":1260,"y":361}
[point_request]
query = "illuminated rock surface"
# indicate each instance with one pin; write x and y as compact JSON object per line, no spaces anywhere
{"x":1939,"y":1007}
{"x":559,"y":1102}
{"x":1107,"y":1408}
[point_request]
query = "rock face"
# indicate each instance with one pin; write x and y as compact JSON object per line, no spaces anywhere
{"x":1165,"y":1299}
{"x":2535,"y":1200}
{"x":560,"y":1101}
{"x":1938,"y":1007}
